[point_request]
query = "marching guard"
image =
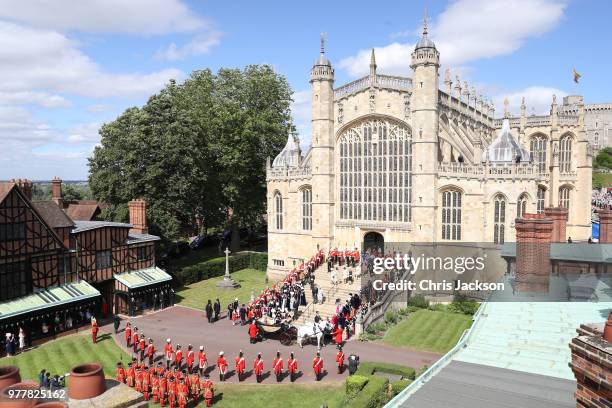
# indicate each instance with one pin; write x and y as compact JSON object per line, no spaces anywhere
{"x":146,"y":383}
{"x":128,"y":334}
{"x":292,"y":367}
{"x":317,"y":365}
{"x":258,"y":367}
{"x":178,"y":357}
{"x":168,"y":353}
{"x":182,"y":393}
{"x":120,"y":373}
{"x":163,"y":390}
{"x":340,"y":360}
{"x":202,"y":361}
{"x":151,"y":353}
{"x":194,"y":385}
{"x":190,"y":359}
{"x":155,"y":387}
{"x":142,"y":347}
{"x":129,"y":375}
{"x":135,"y":339}
{"x":240,"y":365}
{"x":222,"y":366}
{"x":208,"y":392}
{"x":94,"y":330}
{"x":278,"y":367}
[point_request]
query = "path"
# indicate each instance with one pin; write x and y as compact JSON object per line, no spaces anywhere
{"x":189,"y":326}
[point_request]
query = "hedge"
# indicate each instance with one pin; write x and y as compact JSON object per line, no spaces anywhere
{"x":216,"y":266}
{"x":354,"y":384}
{"x":367,"y":368}
{"x":373,"y":395}
{"x":398,"y":386}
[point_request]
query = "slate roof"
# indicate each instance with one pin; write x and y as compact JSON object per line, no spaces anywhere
{"x":89,"y":225}
{"x":467,"y":385}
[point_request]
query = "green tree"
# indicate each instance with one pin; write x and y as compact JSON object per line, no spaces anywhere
{"x":195,"y":150}
{"x":603,"y":160}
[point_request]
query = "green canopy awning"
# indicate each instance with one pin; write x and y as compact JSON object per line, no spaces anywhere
{"x":47,"y":298}
{"x":143,"y":277}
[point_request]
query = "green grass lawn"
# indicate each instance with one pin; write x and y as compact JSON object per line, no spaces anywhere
{"x":428,"y":330}
{"x":278,"y":396}
{"x":59,"y":356}
{"x":196,"y":294}
{"x":602,"y":180}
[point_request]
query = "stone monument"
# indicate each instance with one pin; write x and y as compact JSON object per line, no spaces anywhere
{"x":227,"y":282}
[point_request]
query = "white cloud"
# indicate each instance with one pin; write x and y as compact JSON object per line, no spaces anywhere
{"x":199,"y":45}
{"x":99,"y":107}
{"x":537,"y":100}
{"x":35,"y":59}
{"x":140,"y":17}
{"x":84,"y":133}
{"x":43,"y":99}
{"x":468,"y":30}
{"x":301,"y":110}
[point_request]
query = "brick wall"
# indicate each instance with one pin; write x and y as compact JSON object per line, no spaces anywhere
{"x":533,"y":236}
{"x":559,"y":216}
{"x":605,"y":226}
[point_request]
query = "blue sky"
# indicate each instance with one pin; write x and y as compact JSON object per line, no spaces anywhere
{"x":66,"y":67}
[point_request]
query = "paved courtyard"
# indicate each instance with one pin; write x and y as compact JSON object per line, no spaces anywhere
{"x":189,"y":326}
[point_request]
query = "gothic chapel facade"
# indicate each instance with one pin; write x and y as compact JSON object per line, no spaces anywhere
{"x":403,"y":159}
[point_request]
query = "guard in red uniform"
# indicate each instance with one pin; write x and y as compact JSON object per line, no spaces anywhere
{"x":138,"y":379}
{"x":120,"y":373}
{"x":202,"y":361}
{"x":190,"y":359}
{"x":178,"y":357}
{"x":253,"y":330}
{"x":171,"y":392}
{"x":129,"y":375}
{"x":292,"y":367}
{"x":168,"y":353}
{"x":146,"y":383}
{"x":258,"y":367}
{"x":208,"y":392}
{"x":194,"y":385}
{"x":338,"y":336}
{"x":222,"y":366}
{"x":94,"y":330}
{"x":128,"y":334}
{"x":317,"y":365}
{"x":142,"y":345}
{"x":340,"y":360}
{"x":151,"y":352}
{"x":135,"y":339}
{"x":277,"y":366}
{"x":240,"y":365}
{"x":163,"y":390}
{"x":182,"y":393}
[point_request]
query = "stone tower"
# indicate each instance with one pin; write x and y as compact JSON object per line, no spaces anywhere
{"x":424,"y":103}
{"x":322,"y":155}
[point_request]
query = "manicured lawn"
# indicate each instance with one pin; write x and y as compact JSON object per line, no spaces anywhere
{"x":278,"y":396}
{"x":428,"y":330}
{"x":59,"y":356}
{"x":196,"y":294}
{"x":602,"y":180}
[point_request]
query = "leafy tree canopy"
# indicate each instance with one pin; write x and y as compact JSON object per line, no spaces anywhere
{"x":603,"y":160}
{"x":195,"y":150}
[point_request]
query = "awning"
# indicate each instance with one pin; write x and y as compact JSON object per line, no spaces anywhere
{"x":47,"y":298}
{"x":143,"y":277}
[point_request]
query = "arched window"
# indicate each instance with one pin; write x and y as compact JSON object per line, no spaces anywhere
{"x":375,"y":164}
{"x":499,"y":219}
{"x":278,"y":211}
{"x":565,"y":154}
{"x":538,"y":152}
{"x":451,"y":215}
{"x":541,"y":199}
{"x":307,"y":209}
{"x":521,"y":205}
{"x":564,"y":197}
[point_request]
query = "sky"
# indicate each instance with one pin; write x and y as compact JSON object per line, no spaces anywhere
{"x":68,"y":67}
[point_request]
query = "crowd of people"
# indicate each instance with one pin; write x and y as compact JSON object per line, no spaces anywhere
{"x":601,"y":199}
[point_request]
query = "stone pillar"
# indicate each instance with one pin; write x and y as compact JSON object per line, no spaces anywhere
{"x":533,"y":236}
{"x":559,"y":216}
{"x":592,"y":365}
{"x":56,"y":191}
{"x":605,"y":226}
{"x":138,"y":216}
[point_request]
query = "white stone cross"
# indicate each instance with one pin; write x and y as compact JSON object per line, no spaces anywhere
{"x":227,"y":252}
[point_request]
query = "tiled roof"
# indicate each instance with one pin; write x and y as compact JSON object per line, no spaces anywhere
{"x":83,"y":211}
{"x":52,"y":214}
{"x":5,"y":188}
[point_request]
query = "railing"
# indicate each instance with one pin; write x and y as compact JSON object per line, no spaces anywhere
{"x":538,"y":120}
{"x":380,"y":81}
{"x":288,"y":172}
{"x":493,"y":171}
{"x":378,"y":310}
{"x":401,"y":398}
{"x":568,"y":120}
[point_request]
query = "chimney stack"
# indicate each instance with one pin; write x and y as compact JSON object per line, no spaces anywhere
{"x":605,"y":226}
{"x":56,"y":191}
{"x":25,"y":186}
{"x":559,"y":216}
{"x":533,"y":237}
{"x":138,"y":216}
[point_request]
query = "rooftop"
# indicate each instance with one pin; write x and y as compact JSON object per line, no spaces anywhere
{"x":52,"y":214}
{"x":89,"y":225}
{"x":143,"y":277}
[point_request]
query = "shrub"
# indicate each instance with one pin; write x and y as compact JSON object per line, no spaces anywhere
{"x":369,"y":336}
{"x":418,"y":301}
{"x":461,"y":304}
{"x":354,"y":384}
{"x":398,"y":386}
{"x":216,"y":267}
{"x":376,"y":328}
{"x":438,"y":307}
{"x":368,"y":368}
{"x":373,"y":395}
{"x":390,"y":317}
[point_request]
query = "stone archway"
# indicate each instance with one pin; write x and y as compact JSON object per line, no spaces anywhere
{"x":374,"y":242}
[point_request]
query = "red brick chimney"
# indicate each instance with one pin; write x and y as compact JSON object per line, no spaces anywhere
{"x":56,"y":191}
{"x":138,"y":216}
{"x":25,"y":186}
{"x":605,"y":226}
{"x":533,"y":237}
{"x":559,"y":216}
